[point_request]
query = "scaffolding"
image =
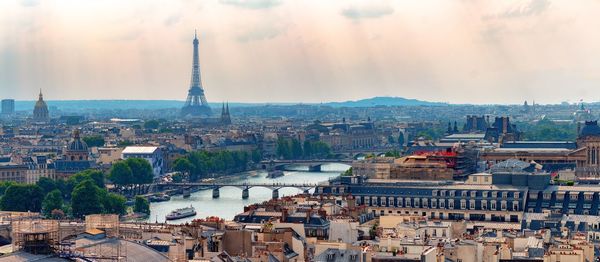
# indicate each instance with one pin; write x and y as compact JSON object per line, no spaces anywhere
{"x":109,"y":223}
{"x":35,"y":236}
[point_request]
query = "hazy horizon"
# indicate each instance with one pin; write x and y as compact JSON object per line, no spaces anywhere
{"x":282,"y":51}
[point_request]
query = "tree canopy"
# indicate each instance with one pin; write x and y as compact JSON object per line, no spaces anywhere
{"x":23,"y":198}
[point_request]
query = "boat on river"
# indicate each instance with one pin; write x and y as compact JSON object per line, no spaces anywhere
{"x":181,"y":213}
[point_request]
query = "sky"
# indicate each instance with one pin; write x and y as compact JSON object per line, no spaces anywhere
{"x":309,"y":51}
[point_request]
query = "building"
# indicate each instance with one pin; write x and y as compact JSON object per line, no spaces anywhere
{"x":75,"y":158}
{"x":40,"y":111}
{"x":196,"y":104}
{"x":8,"y":107}
{"x":152,"y":154}
{"x":589,"y":143}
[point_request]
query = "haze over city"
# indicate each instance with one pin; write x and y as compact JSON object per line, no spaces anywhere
{"x":302,"y":51}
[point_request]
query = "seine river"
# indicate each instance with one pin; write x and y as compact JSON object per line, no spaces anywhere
{"x":230,"y":201}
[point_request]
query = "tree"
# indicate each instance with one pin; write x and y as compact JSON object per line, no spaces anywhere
{"x":151,"y":124}
{"x":86,"y":199}
{"x":4,"y":185}
{"x":296,"y":149}
{"x":94,"y":141}
{"x":121,"y":174}
{"x":23,"y":198}
{"x":96,"y":175}
{"x":183,"y":165}
{"x":113,"y":203}
{"x":141,"y":170}
{"x":256,"y":155}
{"x":401,"y":139}
{"x":141,"y":205}
{"x":47,"y":185}
{"x":52,"y":201}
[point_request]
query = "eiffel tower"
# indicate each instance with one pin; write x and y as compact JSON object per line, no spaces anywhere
{"x":196,"y":104}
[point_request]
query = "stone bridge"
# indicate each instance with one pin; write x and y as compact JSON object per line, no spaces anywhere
{"x":245,"y":187}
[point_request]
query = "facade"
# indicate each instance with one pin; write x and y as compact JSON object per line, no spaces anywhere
{"x":589,"y":143}
{"x":196,"y":104}
{"x":75,"y":158}
{"x":152,"y":154}
{"x":8,"y":107}
{"x":40,"y":111}
{"x":13,"y":172}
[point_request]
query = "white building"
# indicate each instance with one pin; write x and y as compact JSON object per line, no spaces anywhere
{"x":152,"y":154}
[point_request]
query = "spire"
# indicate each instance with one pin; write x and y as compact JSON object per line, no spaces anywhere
{"x":227,"y":108}
{"x":195,"y":34}
{"x":41,"y":96}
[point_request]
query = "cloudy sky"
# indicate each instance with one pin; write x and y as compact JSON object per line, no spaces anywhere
{"x":458,"y":51}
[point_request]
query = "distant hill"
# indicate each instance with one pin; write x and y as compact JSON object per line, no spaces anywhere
{"x":384,"y":101}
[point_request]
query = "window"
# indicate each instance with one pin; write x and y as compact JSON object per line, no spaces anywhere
{"x":547,"y":196}
{"x":391,"y":201}
{"x":416,"y":202}
{"x":400,"y":202}
{"x":382,"y":201}
{"x":575,"y":196}
{"x":502,"y":205}
{"x":504,"y":195}
{"x":451,"y":204}
{"x":515,"y":205}
{"x":493,"y":205}
{"x":407,"y":202}
{"x":463,"y":193}
{"x":452,"y":193}
{"x":472,"y":204}
{"x":434,"y":203}
{"x":442,"y":203}
{"x":486,"y":179}
{"x":473,"y":193}
{"x":483,"y":205}
{"x":516,"y":195}
{"x":474,"y":178}
{"x":484,"y":194}
{"x":424,"y":202}
{"x":463,"y":204}
{"x":494,"y":194}
{"x":434,"y":193}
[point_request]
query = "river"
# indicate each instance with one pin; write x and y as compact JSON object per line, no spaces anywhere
{"x":230,"y":202}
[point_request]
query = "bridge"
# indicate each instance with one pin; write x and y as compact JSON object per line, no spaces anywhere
{"x":314,"y":165}
{"x":245,"y":187}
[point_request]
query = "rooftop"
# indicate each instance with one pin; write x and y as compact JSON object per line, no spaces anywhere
{"x":140,"y":150}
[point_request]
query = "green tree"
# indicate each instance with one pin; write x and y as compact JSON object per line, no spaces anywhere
{"x":4,"y":185}
{"x":47,"y":185}
{"x":151,"y":124}
{"x":141,"y":205}
{"x":183,"y":165}
{"x":52,"y":201}
{"x":23,"y":198}
{"x":113,"y":203}
{"x":256,"y":156}
{"x":141,"y":170}
{"x":401,"y":138}
{"x":296,"y":149}
{"x":284,"y":148}
{"x":121,"y":174}
{"x":94,"y":141}
{"x":86,"y":199}
{"x":96,"y":175}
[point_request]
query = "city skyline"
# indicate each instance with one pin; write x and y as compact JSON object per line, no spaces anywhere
{"x":281,"y":51}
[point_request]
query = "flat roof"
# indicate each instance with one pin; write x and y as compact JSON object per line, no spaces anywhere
{"x":140,"y":150}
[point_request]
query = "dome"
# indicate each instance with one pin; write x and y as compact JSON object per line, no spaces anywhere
{"x":590,"y":128}
{"x":40,"y":111}
{"x":77,"y":145}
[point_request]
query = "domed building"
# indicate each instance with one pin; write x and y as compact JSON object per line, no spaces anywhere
{"x":40,"y":111}
{"x":589,"y":141}
{"x":77,"y":148}
{"x":75,"y":159}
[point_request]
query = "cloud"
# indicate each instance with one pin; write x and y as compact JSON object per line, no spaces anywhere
{"x":524,"y":9}
{"x":252,"y":4}
{"x":367,"y":11}
{"x":173,"y":19}
{"x":259,"y":33}
{"x":30,"y":3}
